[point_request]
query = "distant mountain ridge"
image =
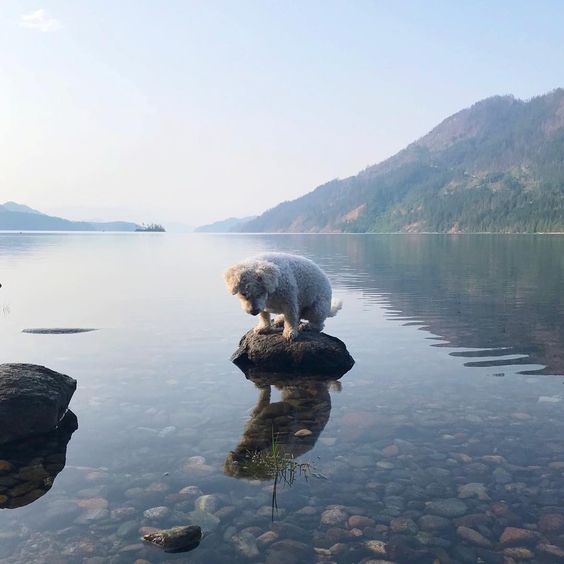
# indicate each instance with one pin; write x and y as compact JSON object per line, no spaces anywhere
{"x":225,"y":225}
{"x":18,"y":217}
{"x":14,"y":207}
{"x":497,"y":166}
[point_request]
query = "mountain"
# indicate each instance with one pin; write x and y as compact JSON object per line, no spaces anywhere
{"x":17,"y":217}
{"x":497,"y":166}
{"x":13,"y":207}
{"x":226,"y":225}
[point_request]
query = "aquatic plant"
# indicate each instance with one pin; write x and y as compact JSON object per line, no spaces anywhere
{"x":280,"y":465}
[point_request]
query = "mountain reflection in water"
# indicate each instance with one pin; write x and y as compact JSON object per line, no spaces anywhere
{"x":498,"y":296}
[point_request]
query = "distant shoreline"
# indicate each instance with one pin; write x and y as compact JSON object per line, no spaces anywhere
{"x":380,"y":233}
{"x":71,"y":232}
{"x":200,"y":233}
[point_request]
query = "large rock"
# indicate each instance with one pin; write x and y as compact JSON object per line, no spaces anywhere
{"x":33,"y":399}
{"x":310,"y":354}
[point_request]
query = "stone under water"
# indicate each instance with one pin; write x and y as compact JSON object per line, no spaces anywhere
{"x":177,"y":539}
{"x":33,"y":400}
{"x":311,"y":353}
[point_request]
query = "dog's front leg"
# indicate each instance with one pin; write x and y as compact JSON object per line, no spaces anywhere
{"x":264,"y":323}
{"x":291,"y":320}
{"x":278,"y":322}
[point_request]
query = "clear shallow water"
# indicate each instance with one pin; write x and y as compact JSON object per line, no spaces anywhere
{"x":459,"y":348}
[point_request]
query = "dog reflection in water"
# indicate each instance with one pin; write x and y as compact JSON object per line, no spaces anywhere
{"x":269,"y":444}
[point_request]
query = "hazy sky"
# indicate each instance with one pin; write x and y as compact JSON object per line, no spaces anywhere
{"x":172,"y":110}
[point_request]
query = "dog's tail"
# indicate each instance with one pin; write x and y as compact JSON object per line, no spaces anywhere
{"x":336,"y":305}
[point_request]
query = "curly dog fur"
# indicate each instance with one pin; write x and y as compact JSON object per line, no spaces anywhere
{"x":290,"y":285}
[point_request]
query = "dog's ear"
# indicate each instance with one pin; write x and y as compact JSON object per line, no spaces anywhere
{"x":269,"y":273}
{"x":232,"y":277}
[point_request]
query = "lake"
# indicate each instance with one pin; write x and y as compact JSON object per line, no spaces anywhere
{"x":448,"y":430}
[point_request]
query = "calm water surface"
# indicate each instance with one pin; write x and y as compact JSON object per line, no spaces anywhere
{"x":448,"y":430}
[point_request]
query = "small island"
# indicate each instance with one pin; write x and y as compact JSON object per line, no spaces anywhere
{"x":151,"y":228}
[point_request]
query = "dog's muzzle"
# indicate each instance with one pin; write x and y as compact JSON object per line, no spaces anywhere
{"x":255,"y":311}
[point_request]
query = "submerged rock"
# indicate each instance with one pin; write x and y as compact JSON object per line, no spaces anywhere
{"x":473,"y":489}
{"x":515,"y":536}
{"x":472,"y":536}
{"x":156,"y":513}
{"x":551,"y":551}
{"x":552,"y":523}
{"x":177,"y":539}
{"x":246,"y":544}
{"x":333,"y":516}
{"x":207,"y":520}
{"x":209,"y":503}
{"x":33,"y":400}
{"x":311,"y":353}
{"x":447,"y":507}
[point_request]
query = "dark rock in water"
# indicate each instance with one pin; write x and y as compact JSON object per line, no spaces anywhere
{"x":28,"y":467}
{"x":312,"y":354}
{"x":177,"y":539}
{"x":33,"y":399}
{"x":58,"y":331}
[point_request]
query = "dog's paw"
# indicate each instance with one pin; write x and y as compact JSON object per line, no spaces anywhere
{"x":291,"y":334}
{"x":262,"y":330}
{"x":304,"y":326}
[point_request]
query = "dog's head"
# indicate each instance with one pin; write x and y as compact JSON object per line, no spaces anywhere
{"x":252,"y":281}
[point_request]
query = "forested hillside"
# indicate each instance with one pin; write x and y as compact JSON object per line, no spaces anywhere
{"x":497,"y":166}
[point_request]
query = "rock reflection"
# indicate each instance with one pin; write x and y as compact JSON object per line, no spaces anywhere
{"x":290,"y":426}
{"x":28,"y":467}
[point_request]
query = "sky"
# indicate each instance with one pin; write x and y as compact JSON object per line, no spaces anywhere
{"x":194,"y":111}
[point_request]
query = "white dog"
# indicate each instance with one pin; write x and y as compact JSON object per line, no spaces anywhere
{"x":290,"y":285}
